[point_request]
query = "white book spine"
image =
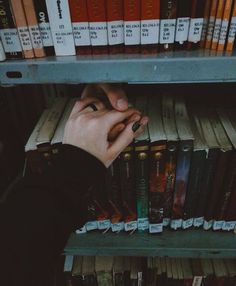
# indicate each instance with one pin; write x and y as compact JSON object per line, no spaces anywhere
{"x":61,"y":27}
{"x":2,"y":53}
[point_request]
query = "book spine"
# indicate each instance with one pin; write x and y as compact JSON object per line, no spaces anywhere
{"x":168,"y":24}
{"x":157,"y":183}
{"x":217,"y":26}
{"x":150,"y":25}
{"x":232,"y":31}
{"x":211,"y":23}
{"x":181,"y":182}
{"x":170,"y":170}
{"x":207,"y":9}
{"x":142,"y":185}
{"x":182,"y":24}
{"x":22,"y":27}
{"x":44,"y":26}
{"x":115,"y":25}
{"x":132,"y":26}
{"x":60,"y":23}
{"x":196,"y":23}
{"x":8,"y":31}
{"x":33,"y":27}
{"x":80,"y":24}
{"x":98,"y":26}
{"x":224,"y":25}
{"x":2,"y":53}
{"x":127,"y":181}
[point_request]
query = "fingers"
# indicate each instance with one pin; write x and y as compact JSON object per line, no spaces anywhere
{"x":115,"y":131}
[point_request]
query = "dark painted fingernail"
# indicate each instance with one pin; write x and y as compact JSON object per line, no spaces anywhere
{"x":136,"y":126}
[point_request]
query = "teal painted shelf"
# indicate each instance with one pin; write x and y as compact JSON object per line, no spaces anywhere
{"x":178,"y":67}
{"x":191,"y":243}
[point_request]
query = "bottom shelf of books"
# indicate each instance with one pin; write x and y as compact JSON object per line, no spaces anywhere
{"x":188,"y":243}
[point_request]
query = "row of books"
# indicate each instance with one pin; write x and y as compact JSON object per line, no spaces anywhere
{"x":179,"y":172}
{"x":32,"y":28}
{"x":150,"y":271}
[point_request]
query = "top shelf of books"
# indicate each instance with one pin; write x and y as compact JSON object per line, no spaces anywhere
{"x":168,"y":67}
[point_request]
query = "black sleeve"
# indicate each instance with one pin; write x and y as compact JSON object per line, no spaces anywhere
{"x":41,"y":212}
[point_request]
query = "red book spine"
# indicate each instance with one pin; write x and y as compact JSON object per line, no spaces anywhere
{"x":98,"y":26}
{"x":150,"y":24}
{"x":80,"y":25}
{"x":132,"y":21}
{"x":115,"y":25}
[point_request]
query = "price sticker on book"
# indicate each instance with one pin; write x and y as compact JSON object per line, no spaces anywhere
{"x":131,"y":225}
{"x":81,"y":230}
{"x":195,"y":30}
{"x":218,"y":224}
{"x":207,"y":224}
{"x":197,"y":222}
{"x":117,"y":227}
{"x":229,"y":225}
{"x":167,"y":31}
{"x":166,"y":221}
{"x":104,"y":224}
{"x":143,"y":223}
{"x":176,"y":223}
{"x":155,"y":227}
{"x":91,"y":225}
{"x":187,"y":223}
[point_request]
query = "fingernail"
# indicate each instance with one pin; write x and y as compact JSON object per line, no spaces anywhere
{"x":136,"y":126}
{"x":122,"y":104}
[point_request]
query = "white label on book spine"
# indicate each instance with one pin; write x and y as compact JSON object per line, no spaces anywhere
{"x":91,"y":225}
{"x":223,"y":32}
{"x":182,"y":27}
{"x":132,"y":33}
{"x":131,"y":225}
{"x":198,"y":221}
{"x":81,"y":34}
{"x":195,"y":30}
{"x":60,"y":22}
{"x":207,"y":224}
{"x":25,"y":38}
{"x":204,"y":29}
{"x":232,"y":30}
{"x":216,"y":32}
{"x":46,"y":34}
{"x":210,"y":28}
{"x":104,"y":224}
{"x":117,"y":227}
{"x":150,"y":31}
{"x":2,"y":53}
{"x":218,"y":224}
{"x":176,"y":223}
{"x":143,"y":223}
{"x":98,"y":33}
{"x":167,"y":31}
{"x":10,"y":40}
{"x":187,"y":223}
{"x":155,"y":227}
{"x":81,"y":230}
{"x":115,"y":32}
{"x":166,"y":221}
{"x":229,"y":225}
{"x":197,"y":281}
{"x":36,"y":37}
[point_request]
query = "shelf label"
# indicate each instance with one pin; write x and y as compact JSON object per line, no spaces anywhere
{"x":46,"y":34}
{"x":167,"y":31}
{"x":218,"y":224}
{"x":115,"y":32}
{"x":117,"y":227}
{"x":176,"y":223}
{"x":150,"y":31}
{"x":81,"y":33}
{"x":166,"y":221}
{"x":10,"y":40}
{"x":25,"y":38}
{"x":98,"y":33}
{"x":232,"y":30}
{"x":182,"y":27}
{"x":132,"y":33}
{"x":81,"y":230}
{"x":229,"y":225}
{"x":195,"y":30}
{"x":155,"y":227}
{"x":91,"y":225}
{"x":143,"y":223}
{"x":131,"y":225}
{"x":104,"y":224}
{"x":197,"y":222}
{"x":187,"y":223}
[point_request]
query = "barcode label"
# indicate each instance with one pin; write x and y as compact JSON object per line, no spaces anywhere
{"x":104,"y":224}
{"x":223,"y":32}
{"x":98,"y":33}
{"x":229,"y":225}
{"x":197,"y":222}
{"x":150,"y":31}
{"x":10,"y":40}
{"x":115,"y":32}
{"x":195,"y":30}
{"x":25,"y":38}
{"x":117,"y":227}
{"x":187,"y":223}
{"x":216,"y":32}
{"x":132,"y":225}
{"x":35,"y":37}
{"x":207,"y":224}
{"x":176,"y":223}
{"x":232,"y":30}
{"x":166,"y":221}
{"x":155,"y":227}
{"x":167,"y":31}
{"x":81,"y":230}
{"x":218,"y":224}
{"x":143,"y":223}
{"x":91,"y":225}
{"x":182,"y":27}
{"x":132,"y":33}
{"x":46,"y":34}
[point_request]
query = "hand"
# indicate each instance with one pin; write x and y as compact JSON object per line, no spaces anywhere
{"x":88,"y":130}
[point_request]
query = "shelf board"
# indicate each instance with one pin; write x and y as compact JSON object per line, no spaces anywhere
{"x":188,"y":243}
{"x":178,"y":67}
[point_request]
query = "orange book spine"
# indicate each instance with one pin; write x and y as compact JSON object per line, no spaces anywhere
{"x":132,"y":22}
{"x":80,"y":24}
{"x":211,"y":23}
{"x":224,"y":25}
{"x":205,"y":23}
{"x":33,"y":27}
{"x":150,"y":25}
{"x":218,"y":21}
{"x":115,"y":25}
{"x":232,"y":30}
{"x":98,"y":26}
{"x":22,"y":27}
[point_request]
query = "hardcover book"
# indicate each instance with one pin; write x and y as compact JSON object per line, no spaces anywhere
{"x":211,"y":23}
{"x":118,"y":271}
{"x":88,"y":271}
{"x":206,"y":18}
{"x":76,"y":272}
{"x":2,"y":53}
{"x":103,"y":269}
{"x":217,"y":26}
{"x":8,"y":32}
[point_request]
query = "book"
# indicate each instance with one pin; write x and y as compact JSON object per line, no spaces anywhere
{"x":211,"y":23}
{"x":103,"y":269}
{"x":150,"y":25}
{"x":136,"y":271}
{"x":98,"y":26}
{"x":157,"y":178}
{"x":141,"y":147}
{"x":171,"y":154}
{"x":61,"y":27}
{"x":208,"y":270}
{"x":187,"y":271}
{"x":8,"y":32}
{"x":198,"y":274}
{"x":2,"y":52}
{"x":185,"y":136}
{"x":76,"y":271}
{"x":115,"y":26}
{"x":217,"y":26}
{"x":22,"y":28}
{"x":168,"y":24}
{"x":232,"y":31}
{"x":182,"y":24}
{"x":205,"y":23}
{"x":33,"y":27}
{"x":80,"y":24}
{"x":118,"y":271}
{"x":44,"y":26}
{"x":88,"y":271}
{"x":68,"y":264}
